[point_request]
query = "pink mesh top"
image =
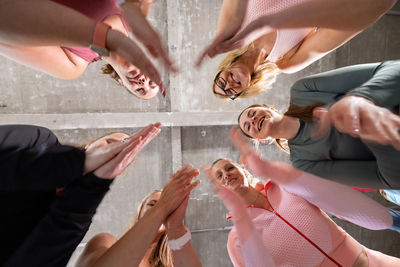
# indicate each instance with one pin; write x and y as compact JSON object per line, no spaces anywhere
{"x":98,"y":10}
{"x":296,"y":232}
{"x":286,"y":39}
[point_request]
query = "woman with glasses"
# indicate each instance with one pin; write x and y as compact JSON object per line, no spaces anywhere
{"x":267,"y":37}
{"x":367,"y":156}
{"x":285,"y":223}
{"x":59,"y":45}
{"x":157,"y":238}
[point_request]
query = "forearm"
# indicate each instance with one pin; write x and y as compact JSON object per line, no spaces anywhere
{"x":231,"y":10}
{"x":41,"y":169}
{"x":332,"y":14}
{"x":351,"y":205}
{"x":131,"y":248}
{"x":57,"y":235}
{"x":40,"y":23}
{"x":341,"y":201}
{"x":31,"y":158}
{"x":383,"y":88}
{"x":186,"y":256}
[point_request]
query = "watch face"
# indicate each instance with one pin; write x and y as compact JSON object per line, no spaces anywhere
{"x":100,"y":50}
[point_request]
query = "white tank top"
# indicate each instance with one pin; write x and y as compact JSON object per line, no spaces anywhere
{"x":286,"y":39}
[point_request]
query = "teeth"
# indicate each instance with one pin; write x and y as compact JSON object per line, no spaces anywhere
{"x":260,"y":124}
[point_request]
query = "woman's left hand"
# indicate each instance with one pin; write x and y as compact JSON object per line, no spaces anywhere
{"x":120,"y":162}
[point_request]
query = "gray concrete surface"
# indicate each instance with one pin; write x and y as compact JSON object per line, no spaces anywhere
{"x":197,"y":122}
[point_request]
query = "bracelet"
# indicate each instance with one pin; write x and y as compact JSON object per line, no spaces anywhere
{"x":177,"y":244}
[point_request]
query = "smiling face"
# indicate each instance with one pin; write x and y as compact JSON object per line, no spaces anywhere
{"x":257,"y":122}
{"x":133,"y":79}
{"x":229,"y":174}
{"x":233,"y":80}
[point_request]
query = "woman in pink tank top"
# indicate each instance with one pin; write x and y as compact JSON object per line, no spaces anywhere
{"x":281,"y":36}
{"x":69,"y":62}
{"x":284,"y":225}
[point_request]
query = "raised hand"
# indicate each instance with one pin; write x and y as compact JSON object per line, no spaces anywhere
{"x":179,"y":187}
{"x":144,"y":32}
{"x":250,"y":33}
{"x":230,"y":21}
{"x":125,"y":47}
{"x":123,"y":159}
{"x":360,"y":117}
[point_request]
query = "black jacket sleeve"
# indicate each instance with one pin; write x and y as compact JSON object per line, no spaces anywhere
{"x":56,"y":236}
{"x":31,"y":158}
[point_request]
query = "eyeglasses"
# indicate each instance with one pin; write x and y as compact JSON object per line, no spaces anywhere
{"x":229,"y":92}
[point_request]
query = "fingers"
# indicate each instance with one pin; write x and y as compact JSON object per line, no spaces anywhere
{"x":213,"y":181}
{"x":210,"y":50}
{"x":182,"y":170}
{"x":239,"y":141}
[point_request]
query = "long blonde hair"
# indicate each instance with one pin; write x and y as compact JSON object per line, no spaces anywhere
{"x":161,"y":255}
{"x":262,"y":78}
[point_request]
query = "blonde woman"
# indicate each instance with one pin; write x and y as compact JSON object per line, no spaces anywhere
{"x":158,"y":236}
{"x":282,"y":36}
{"x":282,"y":222}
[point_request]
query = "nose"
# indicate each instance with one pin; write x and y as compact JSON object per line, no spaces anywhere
{"x":253,"y":120}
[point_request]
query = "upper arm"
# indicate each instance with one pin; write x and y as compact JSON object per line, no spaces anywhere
{"x":351,"y":172}
{"x":314,"y":47}
{"x":52,"y":60}
{"x":234,"y":250}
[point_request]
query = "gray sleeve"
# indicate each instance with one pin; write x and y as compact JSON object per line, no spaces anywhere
{"x":384,"y":86}
{"x":363,"y":174}
{"x":328,"y":87}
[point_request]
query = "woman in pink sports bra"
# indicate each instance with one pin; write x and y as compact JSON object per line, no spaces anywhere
{"x":284,"y":225}
{"x":69,"y":62}
{"x":267,"y":37}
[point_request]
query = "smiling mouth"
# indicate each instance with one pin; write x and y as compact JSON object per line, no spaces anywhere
{"x":231,"y":181}
{"x":260,"y":123}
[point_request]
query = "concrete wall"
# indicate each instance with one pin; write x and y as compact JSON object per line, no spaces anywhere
{"x":186,"y":26}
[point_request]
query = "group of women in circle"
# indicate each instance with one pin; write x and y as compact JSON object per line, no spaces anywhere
{"x":341,"y":129}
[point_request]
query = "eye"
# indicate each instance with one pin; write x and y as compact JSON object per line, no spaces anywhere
{"x":152,"y":84}
{"x":140,"y":91}
{"x":254,"y":113}
{"x":230,"y":168}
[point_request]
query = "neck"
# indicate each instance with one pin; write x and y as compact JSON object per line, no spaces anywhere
{"x":252,"y":197}
{"x":286,"y":128}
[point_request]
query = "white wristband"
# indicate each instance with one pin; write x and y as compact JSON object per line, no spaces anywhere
{"x":177,"y":244}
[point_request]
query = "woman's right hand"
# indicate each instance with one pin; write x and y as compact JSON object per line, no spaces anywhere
{"x":231,"y":18}
{"x":178,"y":188}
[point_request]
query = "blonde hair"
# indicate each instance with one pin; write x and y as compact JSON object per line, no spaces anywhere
{"x":161,"y":255}
{"x":282,"y":143}
{"x":108,"y":69}
{"x":262,"y":78}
